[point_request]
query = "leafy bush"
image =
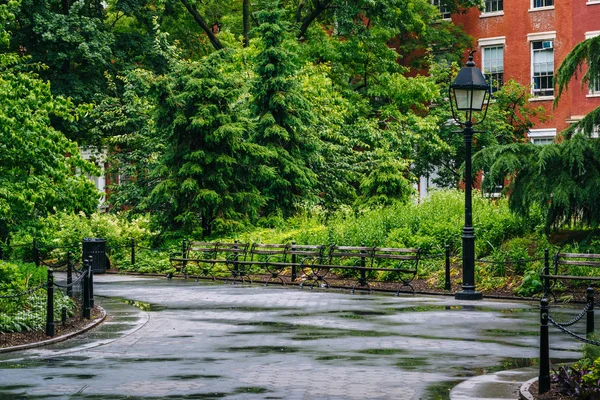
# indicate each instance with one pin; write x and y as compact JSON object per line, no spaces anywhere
{"x":578,"y":381}
{"x":26,"y":312}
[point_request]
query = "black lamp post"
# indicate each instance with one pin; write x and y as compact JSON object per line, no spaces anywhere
{"x":468,"y":93}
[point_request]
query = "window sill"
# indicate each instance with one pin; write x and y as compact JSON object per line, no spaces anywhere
{"x":597,"y":94}
{"x":592,"y":2}
{"x":541,"y":9}
{"x":491,"y":14}
{"x":542,"y":98}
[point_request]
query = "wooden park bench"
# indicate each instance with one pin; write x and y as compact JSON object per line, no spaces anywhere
{"x":206,"y":256}
{"x":568,"y":267}
{"x":362,"y":262}
{"x":275,"y":259}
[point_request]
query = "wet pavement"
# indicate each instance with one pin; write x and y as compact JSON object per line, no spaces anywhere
{"x":188,"y":340}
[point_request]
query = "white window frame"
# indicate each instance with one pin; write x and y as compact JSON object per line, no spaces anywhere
{"x":436,"y":3}
{"x":593,"y":91}
{"x":576,"y":118}
{"x":539,"y":37}
{"x":499,"y":41}
{"x":592,"y":2}
{"x":543,"y":8}
{"x":99,"y":159}
{"x":486,"y":14}
{"x":541,"y":134}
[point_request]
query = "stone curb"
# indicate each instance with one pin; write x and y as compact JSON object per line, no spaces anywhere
{"x":27,"y":346}
{"x":524,"y":393}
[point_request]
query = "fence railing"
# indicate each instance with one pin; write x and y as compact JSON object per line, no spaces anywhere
{"x":129,"y":252}
{"x":546,"y":320}
{"x":35,"y":306}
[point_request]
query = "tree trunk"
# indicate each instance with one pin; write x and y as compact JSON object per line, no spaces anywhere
{"x":246,"y":18}
{"x":200,"y":21}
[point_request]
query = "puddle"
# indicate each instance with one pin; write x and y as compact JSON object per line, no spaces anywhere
{"x":254,"y":390}
{"x":143,"y":306}
{"x":149,"y":359}
{"x":440,"y":390}
{"x":14,"y":387}
{"x":383,"y":351}
{"x":192,"y":377}
{"x":78,"y":376}
{"x":265,"y":349}
{"x":505,"y":364}
{"x":411,"y":363}
{"x":340,"y":358}
{"x":503,"y":332}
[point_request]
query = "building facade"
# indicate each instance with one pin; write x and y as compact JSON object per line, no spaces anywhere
{"x":526,"y":40}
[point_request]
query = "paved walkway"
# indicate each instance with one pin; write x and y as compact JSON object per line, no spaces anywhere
{"x":177,"y":339}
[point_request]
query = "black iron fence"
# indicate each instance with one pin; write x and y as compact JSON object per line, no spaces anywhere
{"x":36,"y":306}
{"x":546,"y":321}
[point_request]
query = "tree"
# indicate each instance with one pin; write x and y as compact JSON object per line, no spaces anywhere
{"x":41,"y":171}
{"x":204,"y":181}
{"x":284,"y":119}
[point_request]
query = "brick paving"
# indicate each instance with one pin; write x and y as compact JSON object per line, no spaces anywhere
{"x":201,"y":340}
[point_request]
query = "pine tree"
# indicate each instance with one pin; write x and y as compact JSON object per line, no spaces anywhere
{"x":284,"y":117}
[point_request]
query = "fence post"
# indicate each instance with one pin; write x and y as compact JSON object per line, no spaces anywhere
{"x":50,"y":305}
{"x":544,"y":377}
{"x":69,"y":274}
{"x":294,"y":272}
{"x":236,"y":266}
{"x":86,"y":289}
{"x":36,"y":253}
{"x":183,"y":255}
{"x":448,"y":284}
{"x":132,"y":251}
{"x":363,"y":271}
{"x":546,"y":282}
{"x":589,"y":325}
{"x":91,"y":283}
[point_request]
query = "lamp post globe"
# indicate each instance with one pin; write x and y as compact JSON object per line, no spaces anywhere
{"x":469,"y":93}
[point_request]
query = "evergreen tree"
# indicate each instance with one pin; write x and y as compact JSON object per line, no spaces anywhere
{"x":204,"y":181}
{"x":284,"y":119}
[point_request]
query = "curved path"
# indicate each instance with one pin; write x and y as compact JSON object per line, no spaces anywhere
{"x":181,"y":339}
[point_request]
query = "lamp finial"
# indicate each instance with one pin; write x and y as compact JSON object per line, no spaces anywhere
{"x":471,"y":63}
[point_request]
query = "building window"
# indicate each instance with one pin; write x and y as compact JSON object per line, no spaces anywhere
{"x":542,"y":66}
{"x":542,"y":136}
{"x":594,"y":90}
{"x":543,"y":3}
{"x":493,"y":6}
{"x":493,"y":66}
{"x":444,"y":9}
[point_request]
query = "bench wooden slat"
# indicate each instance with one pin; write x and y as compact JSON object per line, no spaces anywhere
{"x":578,"y":255}
{"x":579,"y":263}
{"x":395,"y":257}
{"x":394,"y":250}
{"x":572,"y":277}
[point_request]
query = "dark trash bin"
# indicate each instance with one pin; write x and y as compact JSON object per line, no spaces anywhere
{"x":97,"y":249}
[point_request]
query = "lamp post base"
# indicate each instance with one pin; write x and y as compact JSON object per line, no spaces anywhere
{"x":468,"y":295}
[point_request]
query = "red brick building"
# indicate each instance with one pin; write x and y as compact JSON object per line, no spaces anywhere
{"x":526,"y":40}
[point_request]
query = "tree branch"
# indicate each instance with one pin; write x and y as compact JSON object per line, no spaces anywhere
{"x":200,"y":21}
{"x":318,"y":10}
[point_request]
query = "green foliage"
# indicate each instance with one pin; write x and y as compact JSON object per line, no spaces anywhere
{"x":560,"y":179}
{"x":204,"y":179}
{"x":283,"y":115}
{"x":571,"y":381}
{"x":26,"y":311}
{"x":41,"y":171}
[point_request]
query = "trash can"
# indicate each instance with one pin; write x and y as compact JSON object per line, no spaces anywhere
{"x":97,"y":249}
